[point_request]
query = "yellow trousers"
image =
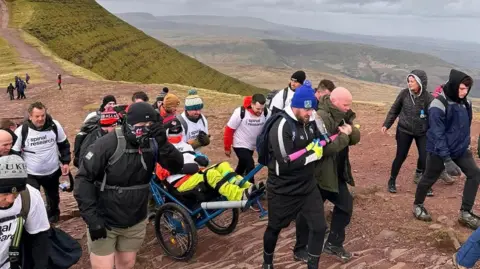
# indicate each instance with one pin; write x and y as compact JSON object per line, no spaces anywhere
{"x":214,"y":175}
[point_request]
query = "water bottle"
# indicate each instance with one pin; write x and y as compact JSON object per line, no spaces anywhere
{"x":64,"y":186}
{"x":422,"y":114}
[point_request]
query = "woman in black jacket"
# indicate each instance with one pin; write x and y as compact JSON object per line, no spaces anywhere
{"x":411,"y":107}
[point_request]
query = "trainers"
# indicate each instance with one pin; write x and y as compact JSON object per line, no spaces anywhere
{"x":300,"y":255}
{"x":455,"y":263}
{"x":447,"y":179}
{"x":468,"y":219}
{"x":391,"y":186}
{"x":430,"y":192}
{"x":421,"y":213}
{"x":417,"y":177}
{"x":248,"y":192}
{"x":340,"y":252}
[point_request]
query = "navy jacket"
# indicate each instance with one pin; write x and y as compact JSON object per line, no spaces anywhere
{"x":448,"y":134}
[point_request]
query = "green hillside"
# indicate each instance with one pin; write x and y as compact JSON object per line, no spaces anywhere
{"x":83,"y":32}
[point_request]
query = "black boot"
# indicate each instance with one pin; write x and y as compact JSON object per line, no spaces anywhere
{"x":312,"y":262}
{"x":391,"y":186}
{"x":300,"y":255}
{"x":340,"y":252}
{"x":267,"y":261}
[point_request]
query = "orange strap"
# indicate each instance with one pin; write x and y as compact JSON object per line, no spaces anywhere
{"x":181,"y":181}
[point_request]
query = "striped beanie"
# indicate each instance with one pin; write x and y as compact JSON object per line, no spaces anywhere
{"x":108,"y":118}
{"x":193,"y":101}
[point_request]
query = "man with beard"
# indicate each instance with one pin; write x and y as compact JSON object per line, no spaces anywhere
{"x":283,"y":98}
{"x":242,"y":130}
{"x":40,"y":140}
{"x":448,"y":146}
{"x":291,"y":186}
{"x":195,"y":125}
{"x":112,"y":185}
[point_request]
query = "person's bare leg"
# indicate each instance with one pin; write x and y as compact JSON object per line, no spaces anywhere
{"x":125,"y":260}
{"x":102,"y":262}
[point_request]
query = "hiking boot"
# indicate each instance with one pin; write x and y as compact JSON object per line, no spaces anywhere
{"x":421,"y":213}
{"x":391,"y":186}
{"x":468,"y":219}
{"x":430,"y":192}
{"x":455,"y":263}
{"x":447,"y":179}
{"x":301,"y":255}
{"x":248,"y":192}
{"x":416,"y":178}
{"x":340,"y":252}
{"x":312,"y":262}
{"x":54,"y":219}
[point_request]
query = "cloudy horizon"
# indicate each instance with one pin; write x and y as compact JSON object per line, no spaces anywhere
{"x":451,"y":20}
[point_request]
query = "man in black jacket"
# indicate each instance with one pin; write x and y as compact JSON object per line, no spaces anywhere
{"x":292,"y":191}
{"x":113,"y":185}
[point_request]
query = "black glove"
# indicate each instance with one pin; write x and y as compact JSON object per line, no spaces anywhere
{"x":203,"y":138}
{"x":452,"y":168}
{"x":201,"y":160}
{"x":157,"y":131}
{"x":98,"y":232}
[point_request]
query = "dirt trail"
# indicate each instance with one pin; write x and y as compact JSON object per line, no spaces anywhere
{"x":27,"y":53}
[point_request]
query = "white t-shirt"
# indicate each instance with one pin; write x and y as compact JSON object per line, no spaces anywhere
{"x":277,"y":100}
{"x":41,"y":151}
{"x":37,"y":221}
{"x":246,"y":129}
{"x":187,"y":158}
{"x":194,"y":128}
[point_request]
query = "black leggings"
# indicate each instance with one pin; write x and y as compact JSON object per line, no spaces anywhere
{"x":404,"y":141}
{"x":50,"y":186}
{"x":435,"y":167}
{"x":245,"y":162}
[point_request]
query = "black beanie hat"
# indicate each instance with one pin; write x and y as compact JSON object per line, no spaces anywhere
{"x":299,"y":76}
{"x":13,"y":174}
{"x":107,"y":99}
{"x":141,"y":112}
{"x":162,"y":95}
{"x":174,"y":127}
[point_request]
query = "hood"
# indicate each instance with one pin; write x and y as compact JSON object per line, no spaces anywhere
{"x":450,"y":89}
{"x":421,"y":78}
{"x":247,"y":104}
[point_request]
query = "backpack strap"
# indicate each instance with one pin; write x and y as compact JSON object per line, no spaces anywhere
{"x":184,"y":123}
{"x":285,"y":95}
{"x":265,"y":111}
{"x":242,"y":112}
{"x":14,"y":249}
{"x":24,"y":134}
{"x":25,"y":196}
{"x":203,"y":120}
{"x":119,"y":150}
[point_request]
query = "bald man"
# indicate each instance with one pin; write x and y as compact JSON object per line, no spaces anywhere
{"x":334,"y":171}
{"x":7,"y":139}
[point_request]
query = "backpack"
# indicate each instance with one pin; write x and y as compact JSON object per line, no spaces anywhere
{"x":243,"y":110}
{"x":185,"y":124}
{"x":263,"y":148}
{"x":272,"y":94}
{"x":89,"y":126}
{"x":25,"y":133}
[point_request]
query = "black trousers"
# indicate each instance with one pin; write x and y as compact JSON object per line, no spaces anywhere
{"x":435,"y":167}
{"x":404,"y":141}
{"x":11,"y":95}
{"x":245,"y":162}
{"x":342,"y":213}
{"x":308,"y":209}
{"x":50,"y":186}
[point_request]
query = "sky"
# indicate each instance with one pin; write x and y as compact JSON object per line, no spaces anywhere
{"x":445,"y":19}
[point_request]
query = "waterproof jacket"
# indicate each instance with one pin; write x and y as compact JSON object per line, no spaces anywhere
{"x":119,"y":208}
{"x":408,"y":108}
{"x":290,"y":178}
{"x":448,"y":134}
{"x":326,"y":172}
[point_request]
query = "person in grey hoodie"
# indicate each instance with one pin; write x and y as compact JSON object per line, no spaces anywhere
{"x":411,"y":107}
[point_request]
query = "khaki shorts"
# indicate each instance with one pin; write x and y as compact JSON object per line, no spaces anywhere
{"x":119,"y":240}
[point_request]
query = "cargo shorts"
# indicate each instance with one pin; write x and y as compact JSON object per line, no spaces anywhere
{"x":119,"y":240}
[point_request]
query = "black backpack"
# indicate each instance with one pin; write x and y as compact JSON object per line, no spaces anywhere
{"x":263,"y":149}
{"x":89,"y":126}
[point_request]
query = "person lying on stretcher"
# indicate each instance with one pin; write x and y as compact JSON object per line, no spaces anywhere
{"x":221,"y":177}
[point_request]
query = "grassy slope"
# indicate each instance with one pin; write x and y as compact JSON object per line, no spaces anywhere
{"x":84,"y":33}
{"x":11,"y":66}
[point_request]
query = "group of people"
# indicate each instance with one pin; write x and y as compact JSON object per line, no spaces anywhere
{"x":20,"y":87}
{"x":306,"y":133}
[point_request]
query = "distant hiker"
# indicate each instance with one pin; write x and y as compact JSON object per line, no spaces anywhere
{"x":108,"y":102}
{"x":242,"y":130}
{"x":10,"y":90}
{"x":22,"y":86}
{"x":17,"y":85}
{"x":160,"y":97}
{"x":168,"y":108}
{"x":139,"y":97}
{"x":59,"y":81}
{"x":283,"y":98}
{"x":448,"y":146}
{"x":113,"y":183}
{"x":43,"y":144}
{"x":411,"y":107}
{"x":27,"y":78}
{"x":325,"y":87}
{"x":21,"y":210}
{"x":195,"y":125}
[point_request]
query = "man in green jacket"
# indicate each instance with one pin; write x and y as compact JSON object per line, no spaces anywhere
{"x":333,"y":171}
